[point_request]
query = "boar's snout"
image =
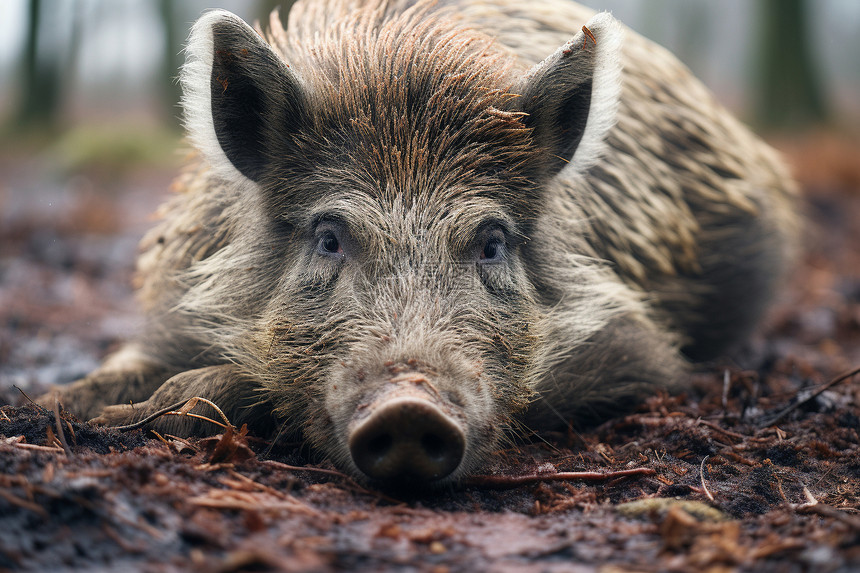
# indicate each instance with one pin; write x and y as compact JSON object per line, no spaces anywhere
{"x":407,"y":439}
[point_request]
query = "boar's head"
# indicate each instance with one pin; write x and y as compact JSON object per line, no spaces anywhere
{"x":388,"y":174}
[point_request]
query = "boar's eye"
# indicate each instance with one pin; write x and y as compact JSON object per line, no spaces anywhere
{"x":328,"y":245}
{"x":330,"y":236}
{"x":493,"y":249}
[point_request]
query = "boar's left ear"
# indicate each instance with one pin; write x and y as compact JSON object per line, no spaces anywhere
{"x":572,"y":96}
{"x":238,"y":95}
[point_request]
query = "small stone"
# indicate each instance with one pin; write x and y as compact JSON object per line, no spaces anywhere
{"x":437,"y":548}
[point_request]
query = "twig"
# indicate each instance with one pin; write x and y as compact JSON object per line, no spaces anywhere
{"x":737,"y":458}
{"x":72,"y":432}
{"x":269,"y":490}
{"x":38,"y":448}
{"x":812,"y":505}
{"x":15,"y":500}
{"x":810,"y":499}
{"x":178,"y":409}
{"x":782,"y":414}
{"x":588,"y":36}
{"x":727,"y":382}
{"x":39,"y":406}
{"x":183,"y":441}
{"x":336,"y":473}
{"x":505,"y":482}
{"x":830,"y":511}
{"x":234,"y":500}
{"x":151,"y":417}
{"x":723,"y":431}
{"x":193,"y":402}
{"x":5,"y":417}
{"x":262,"y":487}
{"x":60,"y":432}
{"x":161,"y":439}
{"x":283,"y":466}
{"x":198,"y":416}
{"x":702,"y":477}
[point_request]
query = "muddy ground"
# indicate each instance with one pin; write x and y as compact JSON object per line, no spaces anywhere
{"x":752,"y":469}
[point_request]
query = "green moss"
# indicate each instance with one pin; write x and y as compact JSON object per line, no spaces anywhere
{"x":116,"y":146}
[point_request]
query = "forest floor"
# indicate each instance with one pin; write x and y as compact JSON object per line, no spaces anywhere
{"x":755,"y":468}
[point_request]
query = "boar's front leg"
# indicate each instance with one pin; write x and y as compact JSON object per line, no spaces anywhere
{"x":629,"y":359}
{"x":129,"y":375}
{"x":236,"y":395}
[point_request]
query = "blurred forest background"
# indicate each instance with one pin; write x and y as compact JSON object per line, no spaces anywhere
{"x":71,"y":64}
{"x":90,"y":137}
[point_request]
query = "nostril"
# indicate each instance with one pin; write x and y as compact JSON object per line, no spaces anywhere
{"x":380,"y":445}
{"x":434,"y":446}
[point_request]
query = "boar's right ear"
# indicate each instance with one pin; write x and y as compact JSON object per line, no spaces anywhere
{"x":237,"y":95}
{"x":571,"y":97}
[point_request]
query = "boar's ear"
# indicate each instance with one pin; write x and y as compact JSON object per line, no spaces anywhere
{"x":237,"y":95}
{"x":572,"y":96}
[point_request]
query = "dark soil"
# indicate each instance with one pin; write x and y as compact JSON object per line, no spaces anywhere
{"x":746,"y":471}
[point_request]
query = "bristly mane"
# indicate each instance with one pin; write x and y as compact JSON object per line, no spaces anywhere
{"x":420,"y":103}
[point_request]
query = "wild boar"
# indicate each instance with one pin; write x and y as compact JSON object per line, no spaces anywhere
{"x":415,"y":227}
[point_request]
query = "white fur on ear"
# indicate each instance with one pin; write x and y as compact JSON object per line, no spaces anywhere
{"x":196,"y":78}
{"x":605,"y":88}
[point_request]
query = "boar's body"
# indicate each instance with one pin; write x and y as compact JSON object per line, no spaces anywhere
{"x":383,"y":231}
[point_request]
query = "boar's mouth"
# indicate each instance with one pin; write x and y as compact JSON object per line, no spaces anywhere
{"x":406,"y":436}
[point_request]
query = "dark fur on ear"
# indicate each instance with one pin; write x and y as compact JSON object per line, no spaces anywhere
{"x":572,"y":96}
{"x":236,"y":92}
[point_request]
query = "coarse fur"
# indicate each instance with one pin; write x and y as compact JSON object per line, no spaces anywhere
{"x":634,"y":223}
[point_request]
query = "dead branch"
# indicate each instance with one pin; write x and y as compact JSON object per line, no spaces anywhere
{"x":179,"y":409}
{"x":789,"y":409}
{"x":151,"y":417}
{"x":702,"y":477}
{"x":506,"y":482}
{"x":60,"y":433}
{"x":39,"y":406}
{"x":199,"y":417}
{"x":831,"y":512}
{"x":717,"y":428}
{"x":36,"y":447}
{"x":336,"y":473}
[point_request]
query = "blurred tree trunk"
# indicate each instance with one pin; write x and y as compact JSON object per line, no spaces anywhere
{"x":41,"y":75}
{"x":265,"y":7}
{"x":173,"y":27}
{"x":789,"y":90}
